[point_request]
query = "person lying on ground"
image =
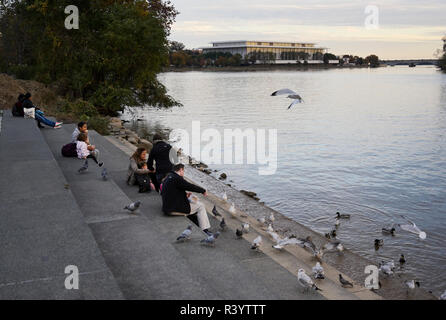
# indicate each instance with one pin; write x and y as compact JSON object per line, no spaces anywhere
{"x":176,"y":199}
{"x":17,"y":109}
{"x":83,"y":152}
{"x":39,"y":115}
{"x":138,"y":173}
{"x":160,"y":154}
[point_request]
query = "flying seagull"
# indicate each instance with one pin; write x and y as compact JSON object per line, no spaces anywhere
{"x":412,"y":228}
{"x":84,"y":168}
{"x":291,"y":94}
{"x":133,"y":206}
{"x":305,"y":281}
{"x":185,"y":235}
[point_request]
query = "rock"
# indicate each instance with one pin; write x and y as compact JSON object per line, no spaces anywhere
{"x":132,"y":140}
{"x":223,"y":176}
{"x":146,"y":144}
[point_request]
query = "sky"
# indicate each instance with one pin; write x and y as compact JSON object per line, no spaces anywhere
{"x":400,"y":29}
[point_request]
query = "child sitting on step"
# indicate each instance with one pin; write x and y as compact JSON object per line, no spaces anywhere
{"x":82,"y":149}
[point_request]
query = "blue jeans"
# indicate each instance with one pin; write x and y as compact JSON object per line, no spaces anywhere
{"x":40,"y":118}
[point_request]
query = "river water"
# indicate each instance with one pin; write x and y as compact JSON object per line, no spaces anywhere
{"x":367,"y":142}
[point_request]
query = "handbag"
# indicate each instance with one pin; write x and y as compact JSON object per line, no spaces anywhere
{"x":143,"y":181}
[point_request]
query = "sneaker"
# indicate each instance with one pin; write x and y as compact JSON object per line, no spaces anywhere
{"x":207,"y":232}
{"x":57,"y":126}
{"x":100,"y":164}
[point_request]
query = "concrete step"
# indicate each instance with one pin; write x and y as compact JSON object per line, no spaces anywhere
{"x":142,"y":253}
{"x":42,"y":229}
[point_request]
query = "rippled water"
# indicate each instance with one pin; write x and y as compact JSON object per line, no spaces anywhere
{"x":368,"y":142}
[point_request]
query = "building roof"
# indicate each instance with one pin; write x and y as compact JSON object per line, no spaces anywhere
{"x":262,"y":41}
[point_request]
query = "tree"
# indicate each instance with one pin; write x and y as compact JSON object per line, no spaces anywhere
{"x":178,"y":59}
{"x":112,"y":60}
{"x":442,"y":62}
{"x":176,"y":46}
{"x":328,"y":57}
{"x":372,"y":61}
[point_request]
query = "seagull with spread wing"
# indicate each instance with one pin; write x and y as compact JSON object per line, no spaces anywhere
{"x":291,"y":94}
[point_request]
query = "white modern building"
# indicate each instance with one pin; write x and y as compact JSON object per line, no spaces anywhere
{"x":278,"y":52}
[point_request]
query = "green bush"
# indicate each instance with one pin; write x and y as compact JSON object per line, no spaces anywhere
{"x":100,"y":124}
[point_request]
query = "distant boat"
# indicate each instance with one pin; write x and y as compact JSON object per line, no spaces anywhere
{"x":412,"y":65}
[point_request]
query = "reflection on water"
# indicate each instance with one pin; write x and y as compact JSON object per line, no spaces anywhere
{"x":370,"y":143}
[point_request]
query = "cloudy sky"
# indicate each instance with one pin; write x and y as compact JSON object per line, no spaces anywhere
{"x":407,"y":28}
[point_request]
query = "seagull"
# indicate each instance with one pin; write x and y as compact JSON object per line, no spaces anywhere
{"x":308,"y":243}
{"x":245,"y":227}
{"x":239,"y":233}
{"x":133,"y":206}
{"x":318,"y":271}
{"x":223,"y":224}
{"x":402,"y":259}
{"x":387,"y":267}
{"x":210,"y":240}
{"x":215,"y":212}
{"x":389,"y":231}
{"x":256,"y":243}
{"x":280,"y":243}
{"x":185,"y":235}
{"x":443,"y":296}
{"x":232,"y":210}
{"x":270,"y":228}
{"x":342,"y":216}
{"x":225,"y":196}
{"x":412,"y":284}
{"x":262,"y":220}
{"x":305,"y":281}
{"x":412,"y":228}
{"x":272,"y":218}
{"x":291,"y":94}
{"x":345,"y":283}
{"x":104,"y":174}
{"x":84,"y":168}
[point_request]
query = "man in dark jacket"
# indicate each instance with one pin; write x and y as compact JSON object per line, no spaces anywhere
{"x":177,"y":201}
{"x":160,"y":154}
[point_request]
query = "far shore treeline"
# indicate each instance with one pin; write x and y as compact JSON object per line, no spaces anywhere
{"x":181,"y":57}
{"x":111,"y":61}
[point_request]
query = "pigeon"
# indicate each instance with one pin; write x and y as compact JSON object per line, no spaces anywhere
{"x":104,"y":174}
{"x":412,"y":228}
{"x":389,"y":231}
{"x":402,"y":259}
{"x":223,"y":224}
{"x":318,"y":271}
{"x":239,"y":233}
{"x":291,"y":94}
{"x":345,"y":283}
{"x":232,"y":210}
{"x":215,"y":212}
{"x":387,"y":267}
{"x":342,"y":216}
{"x":308,"y":243}
{"x":262,"y":220}
{"x":133,"y":206}
{"x":245,"y":227}
{"x":412,"y":284}
{"x":185,"y":235}
{"x":84,"y":168}
{"x":210,"y":240}
{"x":443,"y":296}
{"x":256,"y":243}
{"x":225,"y":196}
{"x":305,"y":281}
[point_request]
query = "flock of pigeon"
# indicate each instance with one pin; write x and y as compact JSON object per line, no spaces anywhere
{"x":84,"y":168}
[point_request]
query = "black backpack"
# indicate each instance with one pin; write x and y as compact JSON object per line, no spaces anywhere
{"x":143,"y":181}
{"x":69,"y":150}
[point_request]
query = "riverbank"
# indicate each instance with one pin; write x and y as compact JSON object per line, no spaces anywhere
{"x":265,"y":67}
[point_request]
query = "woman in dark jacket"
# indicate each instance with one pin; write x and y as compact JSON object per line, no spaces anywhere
{"x":138,"y":168}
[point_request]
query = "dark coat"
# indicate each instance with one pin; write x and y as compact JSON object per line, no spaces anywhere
{"x":174,"y":193}
{"x":160,"y":154}
{"x":27,"y":104}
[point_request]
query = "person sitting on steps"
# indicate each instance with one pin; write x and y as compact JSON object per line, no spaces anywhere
{"x":39,"y":115}
{"x":176,"y":199}
{"x":138,"y":173}
{"x":83,"y":152}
